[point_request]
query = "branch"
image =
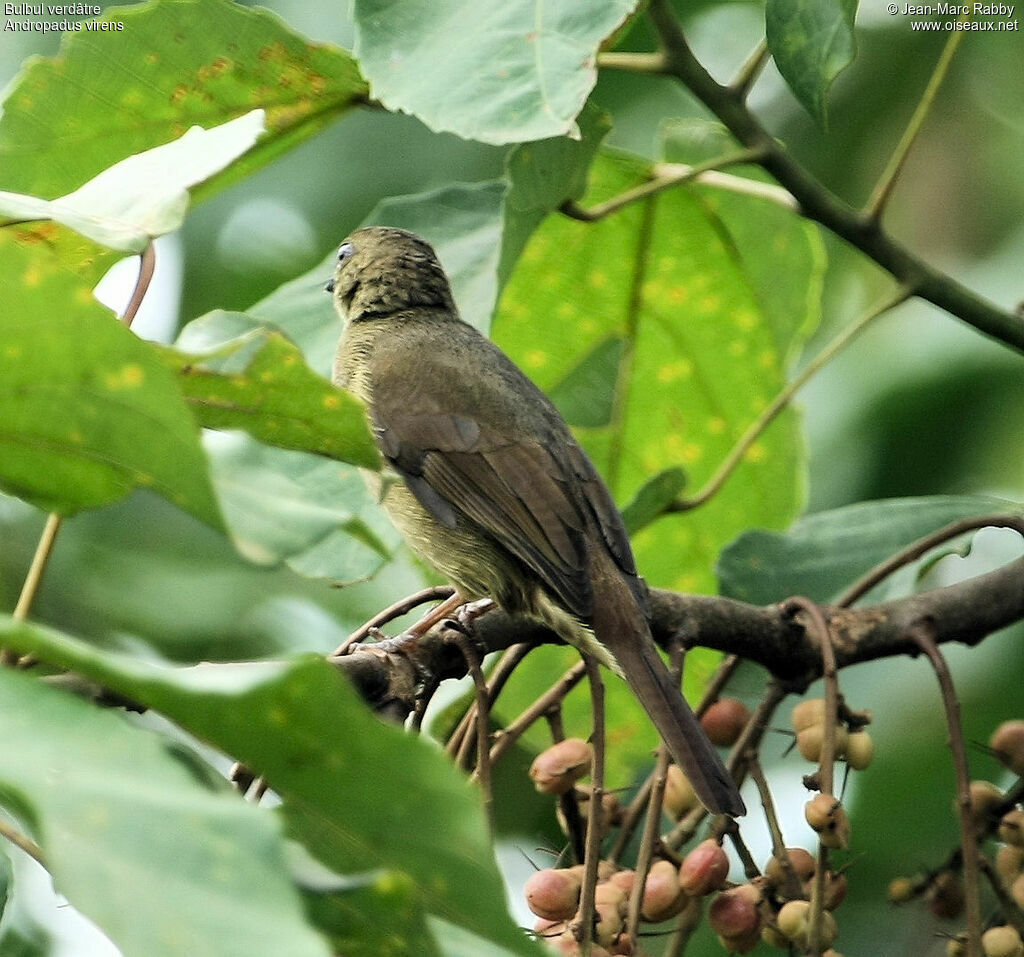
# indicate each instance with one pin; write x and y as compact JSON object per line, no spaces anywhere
{"x":389,"y":672}
{"x":860,"y":230}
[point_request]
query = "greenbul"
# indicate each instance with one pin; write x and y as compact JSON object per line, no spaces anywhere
{"x":495,"y":492}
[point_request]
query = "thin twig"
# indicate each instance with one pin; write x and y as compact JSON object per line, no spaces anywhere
{"x":751,"y":69}
{"x":648,"y":840}
{"x":791,"y":882}
{"x":463,"y":738}
{"x":482,"y":773}
{"x":779,"y":403}
{"x":514,"y":731}
{"x":399,"y":608}
{"x":915,"y":550}
{"x":666,"y":175}
{"x":652,"y":823}
{"x":25,"y":843}
{"x":922,"y":633}
{"x":584,"y":925}
{"x":883,"y":189}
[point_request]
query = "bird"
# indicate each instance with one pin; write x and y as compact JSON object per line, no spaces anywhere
{"x":489,"y":485}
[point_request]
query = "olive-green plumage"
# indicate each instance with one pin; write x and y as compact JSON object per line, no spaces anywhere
{"x":496,"y":493}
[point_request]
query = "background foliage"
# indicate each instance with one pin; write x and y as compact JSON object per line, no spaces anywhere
{"x":660,"y":332}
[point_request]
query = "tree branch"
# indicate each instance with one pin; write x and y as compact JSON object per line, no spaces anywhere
{"x":859,"y":229}
{"x":389,"y":672}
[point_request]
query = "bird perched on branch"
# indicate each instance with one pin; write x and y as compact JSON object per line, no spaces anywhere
{"x":495,"y":492}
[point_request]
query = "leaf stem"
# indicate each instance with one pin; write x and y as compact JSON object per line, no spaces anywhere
{"x":25,"y":843}
{"x":666,"y":175}
{"x":751,"y":69}
{"x":631,"y":62}
{"x":884,"y":188}
{"x":758,"y":426}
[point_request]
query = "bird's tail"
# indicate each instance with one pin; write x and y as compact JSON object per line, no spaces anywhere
{"x":620,"y":626}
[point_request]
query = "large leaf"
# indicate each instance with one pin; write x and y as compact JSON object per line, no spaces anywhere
{"x":359,"y":794}
{"x":811,"y":41}
{"x":259,"y":382}
{"x":159,"y":858}
{"x":650,"y":330}
{"x":88,"y":412}
{"x":144,"y":196}
{"x":313,"y":514}
{"x":665,"y":299}
{"x":500,"y":71}
{"x":823,"y":553}
{"x":188,"y":62}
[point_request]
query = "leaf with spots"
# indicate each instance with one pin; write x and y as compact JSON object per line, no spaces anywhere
{"x":697,"y":355}
{"x":357,"y":793}
{"x":259,"y":382}
{"x":190,"y":62}
{"x":154,"y":848}
{"x":88,"y":412}
{"x":700,"y":355}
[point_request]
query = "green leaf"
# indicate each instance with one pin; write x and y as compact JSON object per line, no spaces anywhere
{"x":160,"y":861}
{"x":260,"y":383}
{"x":378,"y":914}
{"x":87,"y":410}
{"x":359,"y":794}
{"x":676,"y":280}
{"x":189,"y":62}
{"x":542,"y":176}
{"x":823,"y":553}
{"x":310,"y":513}
{"x":812,"y":42}
{"x":313,"y":514}
{"x":495,"y":71}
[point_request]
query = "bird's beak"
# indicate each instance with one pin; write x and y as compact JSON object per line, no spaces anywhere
{"x":329,"y":285}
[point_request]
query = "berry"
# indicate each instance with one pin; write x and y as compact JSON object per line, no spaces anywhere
{"x":662,"y":895}
{"x":860,"y":750}
{"x":809,"y":714}
{"x":1002,"y":942}
{"x":724,"y":721}
{"x":553,"y":894}
{"x":557,"y":769}
{"x":704,"y":869}
{"x":1008,"y":743}
{"x":680,"y":798}
{"x":828,"y":820}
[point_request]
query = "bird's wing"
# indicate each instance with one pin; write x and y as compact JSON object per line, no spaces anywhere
{"x":516,"y":491}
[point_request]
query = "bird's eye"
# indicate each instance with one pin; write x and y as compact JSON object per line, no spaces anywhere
{"x":345,"y":252}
